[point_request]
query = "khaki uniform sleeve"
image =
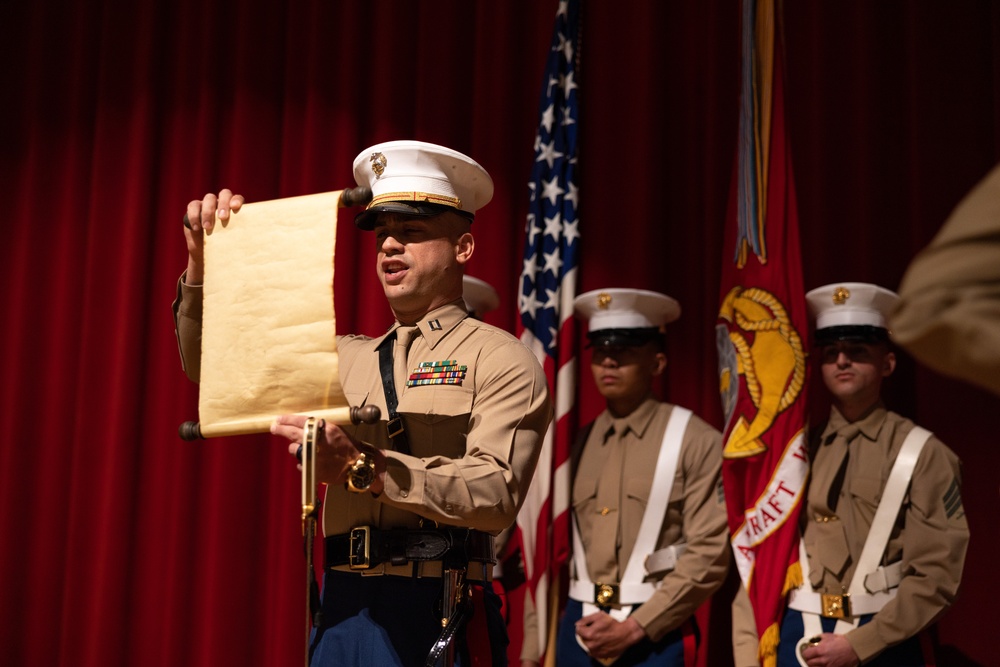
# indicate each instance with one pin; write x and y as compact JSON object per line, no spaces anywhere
{"x":484,"y":488}
{"x":949,"y":313}
{"x":187,"y":307}
{"x":745,"y":640}
{"x":934,"y":537}
{"x":702,"y":567}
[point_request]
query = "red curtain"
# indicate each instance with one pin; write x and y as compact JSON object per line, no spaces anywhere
{"x":121,"y":544}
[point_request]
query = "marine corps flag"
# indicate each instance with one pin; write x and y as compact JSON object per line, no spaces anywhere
{"x":761,"y":338}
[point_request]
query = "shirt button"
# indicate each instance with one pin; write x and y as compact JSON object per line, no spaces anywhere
{"x":605,"y":511}
{"x":404,"y":493}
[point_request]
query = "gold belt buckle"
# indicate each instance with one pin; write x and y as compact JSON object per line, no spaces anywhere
{"x":605,"y":594}
{"x":359,"y":553}
{"x":836,"y":606}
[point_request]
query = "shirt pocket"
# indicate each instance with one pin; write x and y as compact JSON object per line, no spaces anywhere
{"x":637,"y":493}
{"x":638,"y":490}
{"x":827,"y":548}
{"x":635,"y":498}
{"x":437,"y":419}
{"x":356,"y":399}
{"x":584,"y":492}
{"x":865,"y":493}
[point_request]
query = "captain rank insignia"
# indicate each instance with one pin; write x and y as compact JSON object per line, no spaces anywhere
{"x":437,"y":372}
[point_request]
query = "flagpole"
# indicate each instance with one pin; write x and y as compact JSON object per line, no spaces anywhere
{"x":546,"y":324}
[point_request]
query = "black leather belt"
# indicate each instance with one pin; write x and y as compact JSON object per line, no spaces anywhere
{"x":366,"y":547}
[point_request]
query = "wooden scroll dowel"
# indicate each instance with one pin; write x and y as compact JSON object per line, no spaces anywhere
{"x":358,"y":196}
{"x":368,"y":414}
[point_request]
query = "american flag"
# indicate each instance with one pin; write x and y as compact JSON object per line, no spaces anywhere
{"x":548,"y":287}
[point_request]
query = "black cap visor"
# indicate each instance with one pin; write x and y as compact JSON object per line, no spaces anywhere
{"x":853,"y":333}
{"x":622,"y":337}
{"x":366,"y":219}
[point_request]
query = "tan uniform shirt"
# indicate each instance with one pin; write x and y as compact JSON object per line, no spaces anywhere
{"x":949,"y":313}
{"x":930,"y":535}
{"x":611,"y":487}
{"x":473,"y":445}
{"x":744,"y":631}
{"x":187,"y":309}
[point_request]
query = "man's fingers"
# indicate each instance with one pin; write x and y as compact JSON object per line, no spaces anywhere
{"x":289,"y":426}
{"x":201,"y":213}
{"x":222,"y":207}
{"x":228,"y":202}
{"x":192,"y":218}
{"x":208,"y":205}
{"x":297,"y":421}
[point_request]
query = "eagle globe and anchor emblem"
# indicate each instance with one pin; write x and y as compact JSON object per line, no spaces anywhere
{"x":755,"y":338}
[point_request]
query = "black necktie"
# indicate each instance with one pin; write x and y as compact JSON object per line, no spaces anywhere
{"x":846,"y":435}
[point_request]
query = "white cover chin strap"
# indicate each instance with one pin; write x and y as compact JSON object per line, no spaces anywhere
{"x":805,"y":600}
{"x":632,"y":589}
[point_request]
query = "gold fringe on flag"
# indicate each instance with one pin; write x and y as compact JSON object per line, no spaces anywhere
{"x":767,"y":651}
{"x":793,"y":578}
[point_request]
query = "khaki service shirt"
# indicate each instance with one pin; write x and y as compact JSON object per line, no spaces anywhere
{"x":744,"y":631}
{"x":187,"y":307}
{"x":615,"y":471}
{"x":930,"y":536}
{"x":473,"y":445}
{"x":948,"y":315}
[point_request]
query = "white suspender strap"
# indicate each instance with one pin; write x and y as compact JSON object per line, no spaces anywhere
{"x":878,"y":536}
{"x":885,"y":515}
{"x":581,"y":576}
{"x":659,"y":495}
{"x":888,"y":507}
{"x":664,"y":560}
{"x":811,"y":626}
{"x":632,"y":589}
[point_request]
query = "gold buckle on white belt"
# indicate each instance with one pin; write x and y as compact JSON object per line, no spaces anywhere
{"x":606,"y":594}
{"x":835,"y":606}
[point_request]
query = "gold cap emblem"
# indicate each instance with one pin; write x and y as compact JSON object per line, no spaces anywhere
{"x":603,"y":300}
{"x":378,"y":163}
{"x":841,"y":295}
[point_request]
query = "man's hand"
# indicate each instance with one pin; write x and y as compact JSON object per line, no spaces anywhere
{"x":605,"y":637}
{"x":832,"y":651}
{"x":335,"y":450}
{"x":200,"y":220}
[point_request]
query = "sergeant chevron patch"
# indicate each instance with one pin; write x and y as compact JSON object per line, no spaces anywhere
{"x":953,"y":500}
